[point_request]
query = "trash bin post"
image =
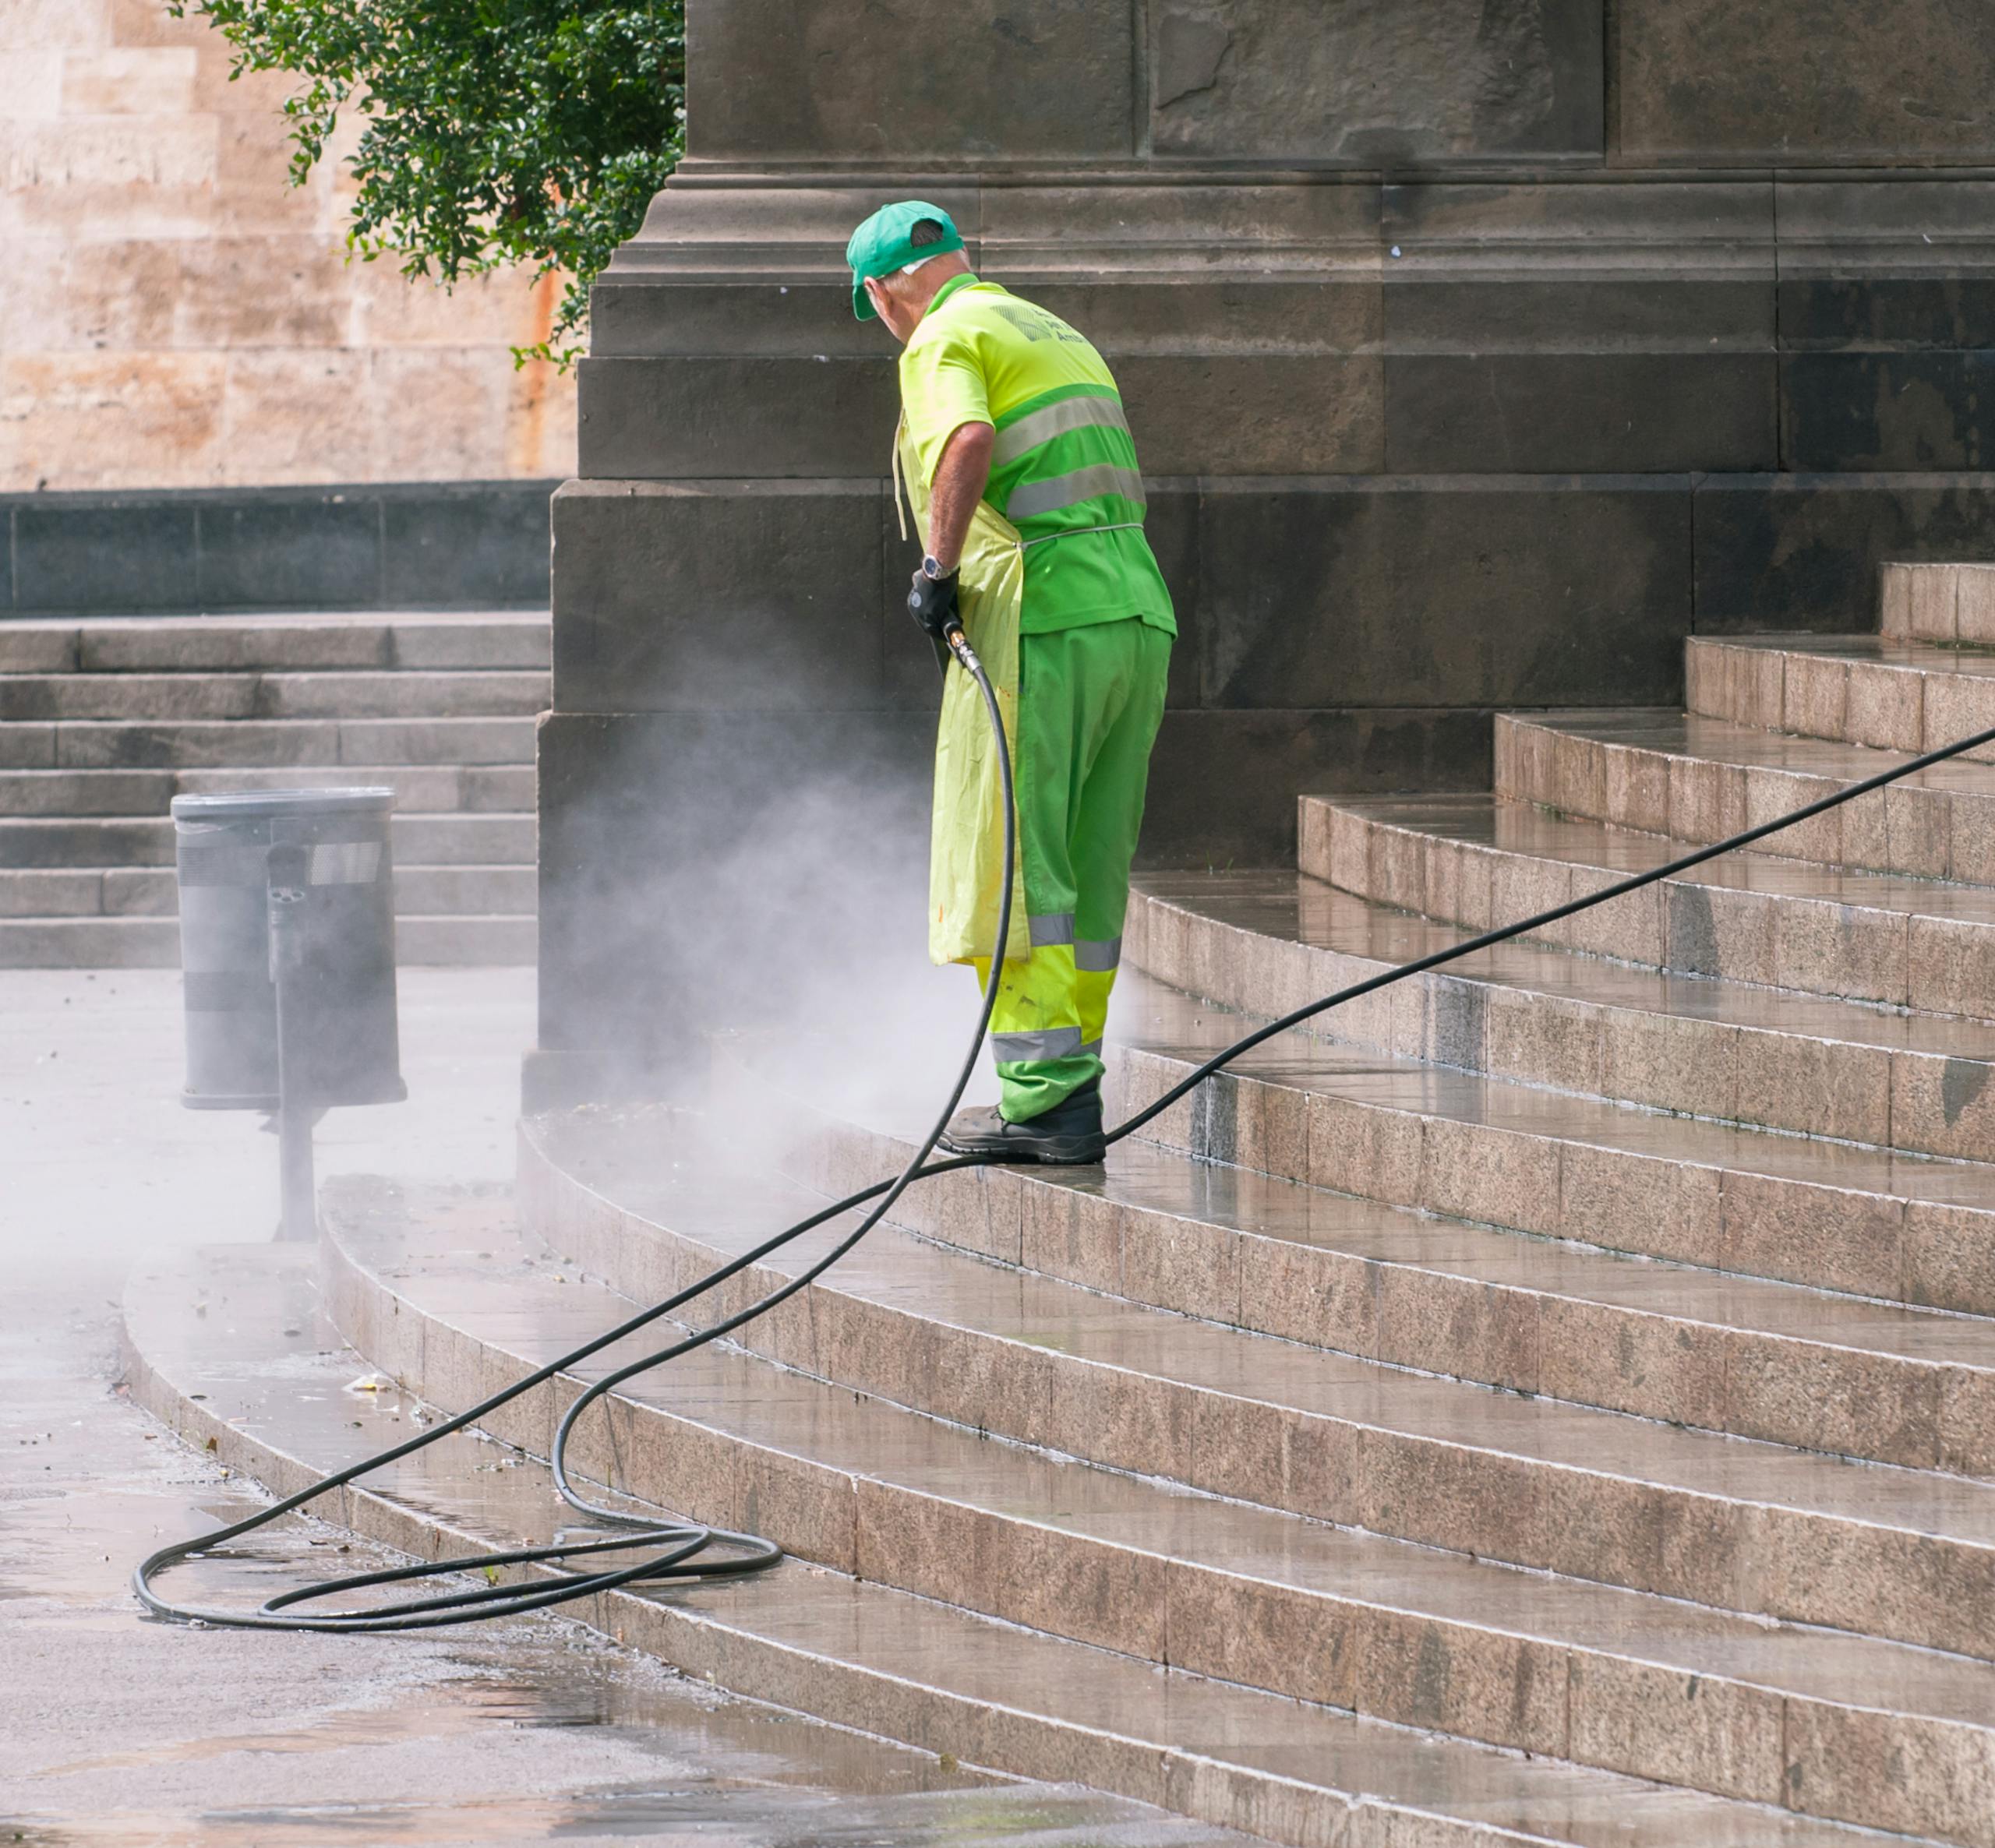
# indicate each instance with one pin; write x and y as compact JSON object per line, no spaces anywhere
{"x":287,"y":963}
{"x":287,"y":872}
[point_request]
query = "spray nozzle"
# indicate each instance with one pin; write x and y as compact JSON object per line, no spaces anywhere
{"x":958,"y":645}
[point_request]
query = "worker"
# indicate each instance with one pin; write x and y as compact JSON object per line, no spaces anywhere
{"x":1022,"y":476}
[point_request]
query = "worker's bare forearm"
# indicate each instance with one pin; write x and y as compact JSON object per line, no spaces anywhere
{"x":960,"y":482}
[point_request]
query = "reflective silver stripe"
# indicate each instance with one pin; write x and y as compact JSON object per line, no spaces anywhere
{"x":1077,"y":532}
{"x":1055,"y":927}
{"x":1048,"y":1042}
{"x":1048,"y":496}
{"x":1055,"y":420}
{"x":1091,"y":1050}
{"x":1097,"y":957}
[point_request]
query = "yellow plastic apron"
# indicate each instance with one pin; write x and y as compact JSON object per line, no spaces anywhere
{"x":966,"y":836}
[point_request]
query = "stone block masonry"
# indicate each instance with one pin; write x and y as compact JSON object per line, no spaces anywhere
{"x":177,"y":314}
{"x":1479,"y":356}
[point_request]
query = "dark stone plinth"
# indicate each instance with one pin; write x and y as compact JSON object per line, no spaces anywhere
{"x":717,"y":596}
{"x":287,"y":554}
{"x":732,"y":415}
{"x":1802,"y":552}
{"x":1292,"y":80}
{"x":868,"y":78}
{"x":1461,"y":591}
{"x":1587,"y":411}
{"x":1842,"y":82}
{"x":1477,"y":354}
{"x":1223,"y":783}
{"x":422,"y":545}
{"x":135,"y":552}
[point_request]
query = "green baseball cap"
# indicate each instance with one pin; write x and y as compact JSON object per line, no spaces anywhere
{"x":880,"y":246}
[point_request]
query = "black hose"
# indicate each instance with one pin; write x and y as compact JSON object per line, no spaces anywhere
{"x":683,"y":1548}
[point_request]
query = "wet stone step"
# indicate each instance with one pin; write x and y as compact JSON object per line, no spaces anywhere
{"x":484,"y":840}
{"x":58,"y":793}
{"x":1700,"y":780}
{"x":1114,"y":1560}
{"x":1875,"y":1223}
{"x":89,"y":943}
{"x":360,"y":640}
{"x":138,"y":939}
{"x":259,"y":744}
{"x":469,"y":941}
{"x":1275,"y":941}
{"x":329,"y":694}
{"x":1938,"y":603}
{"x":151,"y":891}
{"x":1873,"y":689}
{"x":1744,"y":917}
{"x":863,"y":1655}
{"x":430,"y":787}
{"x":1709,"y":1349}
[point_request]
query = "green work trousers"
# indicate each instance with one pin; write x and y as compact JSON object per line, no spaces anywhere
{"x":1089,"y":702}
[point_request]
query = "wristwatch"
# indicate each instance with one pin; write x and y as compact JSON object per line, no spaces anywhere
{"x":931,"y":569}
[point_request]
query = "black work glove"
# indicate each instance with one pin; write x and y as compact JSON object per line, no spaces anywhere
{"x":932,"y":603}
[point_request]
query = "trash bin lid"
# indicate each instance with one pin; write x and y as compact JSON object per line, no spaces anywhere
{"x":251,"y":805}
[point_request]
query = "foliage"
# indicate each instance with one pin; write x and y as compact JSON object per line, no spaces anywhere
{"x":495,"y":132}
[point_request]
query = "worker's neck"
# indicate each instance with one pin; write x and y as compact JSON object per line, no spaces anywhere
{"x":934,"y":276}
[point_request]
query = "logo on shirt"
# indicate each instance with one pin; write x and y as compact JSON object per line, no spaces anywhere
{"x":1036,"y":324}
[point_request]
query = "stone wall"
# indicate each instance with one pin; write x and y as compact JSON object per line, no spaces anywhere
{"x":1477,"y":352}
{"x":174,"y":314}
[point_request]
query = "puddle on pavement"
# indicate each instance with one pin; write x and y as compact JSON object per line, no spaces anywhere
{"x":536,"y":1730}
{"x":1004,"y":1818}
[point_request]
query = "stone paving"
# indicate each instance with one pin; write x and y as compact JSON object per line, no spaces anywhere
{"x":121,"y":1731}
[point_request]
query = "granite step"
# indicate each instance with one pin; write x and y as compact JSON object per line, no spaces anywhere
{"x":150,"y":891}
{"x":140,"y":941}
{"x":1699,"y":779}
{"x":1897,"y":1228}
{"x":328,"y":694}
{"x":861,"y":1654}
{"x":89,"y":942}
{"x":263,"y":744}
{"x":430,"y":788}
{"x":467,"y":941}
{"x":1938,"y":603}
{"x":1816,"y":929}
{"x":1022,"y":1531}
{"x":334,"y":639}
{"x":1723,"y":1522}
{"x":499,"y":840}
{"x":1274,"y":941}
{"x":82,"y":793}
{"x":1711,"y":1349}
{"x":1886,"y":691}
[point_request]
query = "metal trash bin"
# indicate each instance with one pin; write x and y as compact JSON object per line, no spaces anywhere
{"x":341,"y":1044}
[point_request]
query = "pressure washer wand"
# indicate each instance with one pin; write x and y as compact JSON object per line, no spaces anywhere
{"x":958,"y":643}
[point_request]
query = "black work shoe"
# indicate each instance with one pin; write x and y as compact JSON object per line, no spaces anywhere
{"x":1070,"y":1133}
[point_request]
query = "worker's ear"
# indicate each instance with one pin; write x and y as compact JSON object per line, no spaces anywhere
{"x":876,"y":292}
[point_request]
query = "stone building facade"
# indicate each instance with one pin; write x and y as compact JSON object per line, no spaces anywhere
{"x":175,"y":315}
{"x":1477,"y":352}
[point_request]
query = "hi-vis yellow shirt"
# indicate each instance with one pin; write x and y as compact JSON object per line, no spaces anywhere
{"x":1063,"y":464}
{"x":1063,"y":469}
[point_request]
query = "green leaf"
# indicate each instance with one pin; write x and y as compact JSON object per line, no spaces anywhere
{"x":495,"y":132}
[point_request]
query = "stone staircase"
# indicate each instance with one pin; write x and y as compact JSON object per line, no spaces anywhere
{"x":103,"y":722}
{"x":1552,"y":1401}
